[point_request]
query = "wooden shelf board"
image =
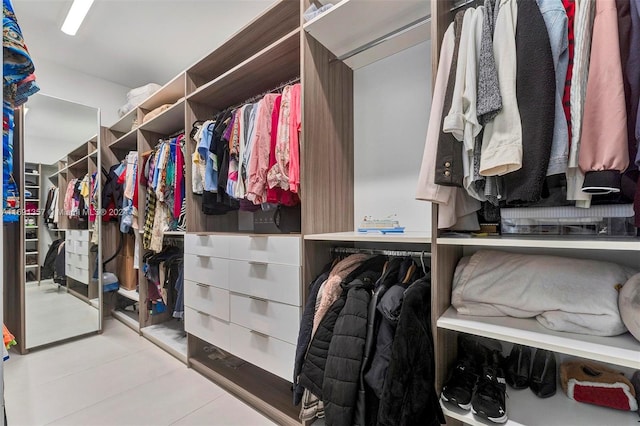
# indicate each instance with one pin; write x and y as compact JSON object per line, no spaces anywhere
{"x":275,"y":22}
{"x":407,"y":237}
{"x":351,"y":24}
{"x":127,"y":141}
{"x":123,"y":125}
{"x":620,"y":244}
{"x":621,"y":350}
{"x":129,"y":294}
{"x":167,"y":122}
{"x":524,"y":408}
{"x":271,"y":66}
{"x":94,"y":153}
{"x":167,"y":94}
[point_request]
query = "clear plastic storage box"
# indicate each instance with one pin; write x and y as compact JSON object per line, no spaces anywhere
{"x":606,"y":220}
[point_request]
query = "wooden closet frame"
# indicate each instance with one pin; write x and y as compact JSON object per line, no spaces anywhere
{"x":271,"y":49}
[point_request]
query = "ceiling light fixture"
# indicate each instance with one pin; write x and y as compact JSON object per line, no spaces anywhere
{"x":76,"y":15}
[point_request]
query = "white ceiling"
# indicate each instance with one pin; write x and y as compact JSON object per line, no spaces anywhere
{"x":133,"y":42}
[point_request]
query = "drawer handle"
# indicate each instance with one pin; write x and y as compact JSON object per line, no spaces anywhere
{"x":256,"y":263}
{"x":257,"y":333}
{"x":259,"y":299}
{"x":203,"y":313}
{"x":202,"y":235}
{"x":202,"y":285}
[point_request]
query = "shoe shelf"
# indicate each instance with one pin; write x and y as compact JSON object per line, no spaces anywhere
{"x":621,"y":350}
{"x":524,"y":408}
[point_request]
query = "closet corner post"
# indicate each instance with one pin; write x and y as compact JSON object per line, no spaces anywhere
{"x":328,"y":135}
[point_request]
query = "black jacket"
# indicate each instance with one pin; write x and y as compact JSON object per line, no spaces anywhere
{"x":366,"y":408}
{"x":409,"y":396}
{"x":48,"y":267}
{"x":389,"y":309}
{"x":346,"y":352}
{"x":536,"y":96}
{"x":312,"y":374}
{"x":304,"y":335}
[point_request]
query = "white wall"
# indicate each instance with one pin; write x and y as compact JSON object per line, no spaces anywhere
{"x":65,"y":83}
{"x":391,"y":106}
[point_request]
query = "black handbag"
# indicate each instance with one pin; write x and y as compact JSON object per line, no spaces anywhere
{"x":282,"y":220}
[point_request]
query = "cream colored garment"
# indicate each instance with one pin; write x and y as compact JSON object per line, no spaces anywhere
{"x":156,"y":112}
{"x":332,"y":288}
{"x":502,"y":138}
{"x":582,"y":34}
{"x":453,"y":203}
{"x":462,"y":120}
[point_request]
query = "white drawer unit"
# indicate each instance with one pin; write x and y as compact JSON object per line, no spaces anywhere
{"x":206,"y":298}
{"x":285,"y":250}
{"x":77,"y":259}
{"x":266,"y":352}
{"x":208,"y":328}
{"x":280,"y":283}
{"x":265,"y":316}
{"x":207,"y":270}
{"x":207,"y":245}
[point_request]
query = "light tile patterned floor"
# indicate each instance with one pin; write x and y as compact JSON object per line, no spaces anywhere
{"x":117,"y":378}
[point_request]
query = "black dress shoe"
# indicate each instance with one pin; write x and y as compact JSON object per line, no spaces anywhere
{"x":518,"y":365}
{"x":543,"y":374}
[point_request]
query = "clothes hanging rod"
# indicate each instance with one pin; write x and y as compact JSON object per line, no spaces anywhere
{"x":262,"y":95}
{"x":462,"y":5}
{"x":394,"y":253}
{"x":384,"y":38}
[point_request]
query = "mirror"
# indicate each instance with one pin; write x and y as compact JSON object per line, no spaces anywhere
{"x":63,"y":296}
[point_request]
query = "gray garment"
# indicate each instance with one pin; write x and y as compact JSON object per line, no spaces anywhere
{"x":555,"y":19}
{"x":489,"y":100}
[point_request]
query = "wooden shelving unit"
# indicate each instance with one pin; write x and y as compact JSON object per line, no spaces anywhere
{"x":31,"y":222}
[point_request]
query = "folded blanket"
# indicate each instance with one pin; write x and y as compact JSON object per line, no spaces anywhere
{"x":564,"y":294}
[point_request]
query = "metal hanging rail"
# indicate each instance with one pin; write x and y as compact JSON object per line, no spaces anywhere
{"x":395,"y":253}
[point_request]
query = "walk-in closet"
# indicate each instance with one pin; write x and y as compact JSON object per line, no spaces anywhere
{"x":348,"y":212}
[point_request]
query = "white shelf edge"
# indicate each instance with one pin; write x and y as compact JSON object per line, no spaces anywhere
{"x":126,"y":320}
{"x":149,"y":125}
{"x":174,"y":233}
{"x":31,"y":266}
{"x":129,"y":294}
{"x":151,"y":335}
{"x":407,"y":237}
{"x":621,"y":350}
{"x":631,"y":244}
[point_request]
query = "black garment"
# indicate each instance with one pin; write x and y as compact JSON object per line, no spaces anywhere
{"x":60,"y":272}
{"x":112,"y":195}
{"x":48,"y":267}
{"x":219,"y":203}
{"x":304,"y":335}
{"x":409,"y":396}
{"x":389,"y":308}
{"x":366,"y":408}
{"x":312,"y":374}
{"x":536,"y":95}
{"x":448,"y":170}
{"x":346,"y":352}
{"x":47,"y":206}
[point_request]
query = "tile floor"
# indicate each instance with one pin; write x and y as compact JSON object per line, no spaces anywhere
{"x":117,"y":378}
{"x":53,"y":314}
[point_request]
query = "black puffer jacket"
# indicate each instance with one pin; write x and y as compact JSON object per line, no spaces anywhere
{"x":409,"y":396}
{"x":312,"y":374}
{"x":346,"y":352}
{"x":304,"y":335}
{"x":366,"y":407}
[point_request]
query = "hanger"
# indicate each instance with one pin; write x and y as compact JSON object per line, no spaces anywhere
{"x":409,"y":274}
{"x":424,"y":268}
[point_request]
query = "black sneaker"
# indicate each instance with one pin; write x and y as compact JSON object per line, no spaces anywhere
{"x":489,"y":398}
{"x":458,"y":389}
